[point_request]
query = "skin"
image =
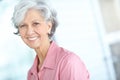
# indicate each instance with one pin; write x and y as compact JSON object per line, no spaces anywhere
{"x":34,"y":32}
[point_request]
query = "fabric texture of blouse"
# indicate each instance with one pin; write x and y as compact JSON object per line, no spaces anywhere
{"x":59,"y":64}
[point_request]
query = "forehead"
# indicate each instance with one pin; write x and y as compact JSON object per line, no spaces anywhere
{"x":33,"y":14}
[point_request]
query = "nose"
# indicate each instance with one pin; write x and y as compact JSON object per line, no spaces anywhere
{"x":30,"y":30}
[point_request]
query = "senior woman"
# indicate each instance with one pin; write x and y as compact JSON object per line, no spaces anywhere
{"x":36,"y":23}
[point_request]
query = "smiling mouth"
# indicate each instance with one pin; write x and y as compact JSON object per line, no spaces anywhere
{"x":32,"y":38}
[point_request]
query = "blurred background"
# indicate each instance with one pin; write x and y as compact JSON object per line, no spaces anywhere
{"x":90,"y":28}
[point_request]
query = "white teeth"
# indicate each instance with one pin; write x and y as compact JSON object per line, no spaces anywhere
{"x":32,"y":38}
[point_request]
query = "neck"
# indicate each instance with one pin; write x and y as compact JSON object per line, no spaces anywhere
{"x":42,"y":51}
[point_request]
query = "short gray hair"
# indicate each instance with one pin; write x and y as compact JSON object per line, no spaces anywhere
{"x":46,"y":11}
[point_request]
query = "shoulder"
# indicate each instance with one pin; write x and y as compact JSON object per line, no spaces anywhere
{"x":70,"y":58}
{"x":68,"y":55}
{"x":67,"y":58}
{"x":72,"y":67}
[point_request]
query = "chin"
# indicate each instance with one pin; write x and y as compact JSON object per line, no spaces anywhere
{"x":33,"y":46}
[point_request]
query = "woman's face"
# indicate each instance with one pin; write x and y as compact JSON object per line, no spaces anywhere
{"x":34,"y":29}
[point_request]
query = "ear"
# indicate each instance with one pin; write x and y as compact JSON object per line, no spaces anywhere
{"x":49,"y":26}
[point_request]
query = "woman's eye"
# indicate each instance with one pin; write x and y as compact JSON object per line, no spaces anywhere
{"x":21,"y":26}
{"x":35,"y":24}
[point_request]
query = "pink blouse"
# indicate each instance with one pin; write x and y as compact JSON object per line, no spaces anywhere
{"x":59,"y":64}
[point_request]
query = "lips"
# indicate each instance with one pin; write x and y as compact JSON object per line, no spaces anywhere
{"x":32,"y":38}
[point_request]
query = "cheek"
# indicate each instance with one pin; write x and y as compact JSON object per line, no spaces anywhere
{"x":42,"y":31}
{"x":22,"y":33}
{"x":23,"y":38}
